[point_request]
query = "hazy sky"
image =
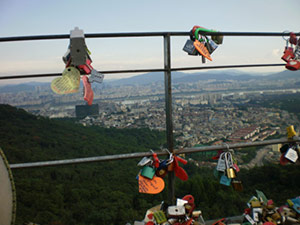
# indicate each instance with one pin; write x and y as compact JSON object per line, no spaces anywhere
{"x":37,"y":17}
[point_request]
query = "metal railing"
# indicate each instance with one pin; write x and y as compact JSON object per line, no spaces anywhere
{"x":168,"y":96}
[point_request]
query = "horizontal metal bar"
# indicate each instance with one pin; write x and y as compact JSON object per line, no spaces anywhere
{"x":140,"y":34}
{"x":225,"y":67}
{"x":143,"y":70}
{"x":236,"y":146}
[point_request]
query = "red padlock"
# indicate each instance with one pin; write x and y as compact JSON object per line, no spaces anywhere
{"x":293,"y":38}
{"x":293,"y":65}
{"x":86,"y":68}
{"x":288,"y":54}
{"x":88,"y":92}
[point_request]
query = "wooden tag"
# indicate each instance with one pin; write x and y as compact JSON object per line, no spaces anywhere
{"x":153,"y":186}
{"x":68,"y":83}
{"x":202,"y":49}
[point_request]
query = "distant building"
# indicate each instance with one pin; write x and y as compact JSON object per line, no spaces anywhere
{"x":83,"y":111}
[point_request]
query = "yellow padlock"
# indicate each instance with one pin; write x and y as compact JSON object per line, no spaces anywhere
{"x":291,"y":131}
{"x":230,"y":173}
{"x":255,"y":204}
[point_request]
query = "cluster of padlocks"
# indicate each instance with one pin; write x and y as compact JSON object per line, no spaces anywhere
{"x":263,"y":211}
{"x":183,"y":213}
{"x":290,"y":152}
{"x":291,"y":55}
{"x":150,"y":177}
{"x":227,"y":170}
{"x":78,"y":62}
{"x":202,"y":45}
{"x":260,"y":211}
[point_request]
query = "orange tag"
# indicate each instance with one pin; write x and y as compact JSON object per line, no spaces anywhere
{"x":153,"y":186}
{"x":202,"y":49}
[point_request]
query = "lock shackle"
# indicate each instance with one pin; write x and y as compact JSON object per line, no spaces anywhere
{"x":197,"y":34}
{"x":201,"y":29}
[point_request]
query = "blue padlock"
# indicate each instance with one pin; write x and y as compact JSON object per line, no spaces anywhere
{"x":296,"y":207}
{"x":225,"y":180}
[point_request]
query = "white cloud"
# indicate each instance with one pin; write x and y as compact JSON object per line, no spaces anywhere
{"x":276,"y":52}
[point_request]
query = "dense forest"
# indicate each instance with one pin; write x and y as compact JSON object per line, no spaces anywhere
{"x":107,"y":192}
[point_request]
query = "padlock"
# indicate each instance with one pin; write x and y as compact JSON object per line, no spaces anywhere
{"x":288,"y":53}
{"x":176,"y":211}
{"x":144,"y":161}
{"x":78,"y":47}
{"x":96,"y":77}
{"x":171,"y":166}
{"x":290,"y":202}
{"x":291,"y":155}
{"x":236,"y":167}
{"x":255,"y":204}
{"x":276,"y":216}
{"x":190,"y":48}
{"x":210,"y":45}
{"x":293,"y":65}
{"x":161,"y":172}
{"x":221,"y":166}
{"x":284,"y":148}
{"x":225,"y":180}
{"x":148,"y":172}
{"x":261,"y":197}
{"x":160,"y":217}
{"x":202,"y":49}
{"x":256,"y":214}
{"x":296,"y":207}
{"x":86,"y":68}
{"x":237,"y":185}
{"x":180,"y":202}
{"x":297,"y":51}
{"x":293,"y":38}
{"x":218,"y":39}
{"x":291,"y":131}
{"x":230,"y":173}
{"x":88,"y":92}
{"x":283,"y":161}
{"x":247,"y":217}
{"x":229,"y":165}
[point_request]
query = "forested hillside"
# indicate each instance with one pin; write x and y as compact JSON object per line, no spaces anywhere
{"x":107,"y":192}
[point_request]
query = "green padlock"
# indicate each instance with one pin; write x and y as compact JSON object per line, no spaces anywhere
{"x":148,"y":172}
{"x":160,"y":216}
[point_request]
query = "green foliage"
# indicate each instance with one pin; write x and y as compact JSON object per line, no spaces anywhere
{"x":107,"y":192}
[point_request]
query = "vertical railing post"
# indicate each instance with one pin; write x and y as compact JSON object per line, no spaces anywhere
{"x":169,"y":121}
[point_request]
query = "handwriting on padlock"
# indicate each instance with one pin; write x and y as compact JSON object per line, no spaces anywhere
{"x":202,"y":49}
{"x":151,"y":186}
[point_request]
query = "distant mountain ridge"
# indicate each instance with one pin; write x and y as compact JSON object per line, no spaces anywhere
{"x":177,"y":77}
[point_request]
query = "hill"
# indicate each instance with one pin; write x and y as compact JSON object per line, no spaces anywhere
{"x":158,"y":77}
{"x":107,"y":193}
